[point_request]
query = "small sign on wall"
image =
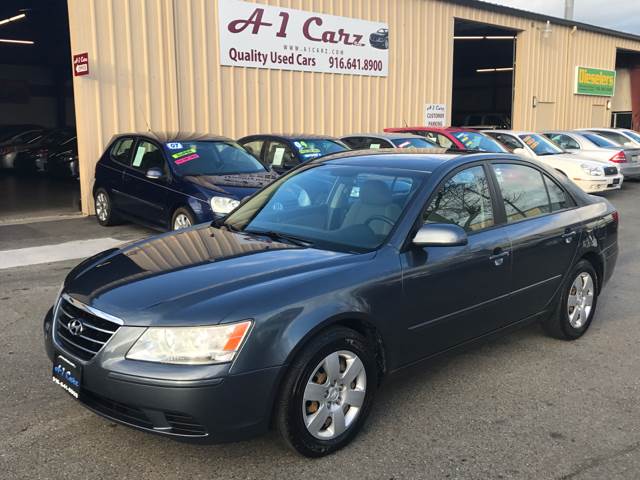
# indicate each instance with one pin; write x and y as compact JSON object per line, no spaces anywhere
{"x":80,"y":64}
{"x":595,"y":81}
{"x":435,"y":115}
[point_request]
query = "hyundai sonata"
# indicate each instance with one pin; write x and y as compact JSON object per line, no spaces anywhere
{"x":289,"y":311}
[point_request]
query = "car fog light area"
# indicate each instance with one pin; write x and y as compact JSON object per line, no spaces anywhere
{"x":223,"y":205}
{"x":190,"y":345}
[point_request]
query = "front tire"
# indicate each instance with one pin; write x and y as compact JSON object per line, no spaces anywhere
{"x":327,"y":393}
{"x":577,"y":305}
{"x":182,"y":218}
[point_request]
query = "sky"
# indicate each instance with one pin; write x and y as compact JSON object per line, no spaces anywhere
{"x":622,"y":15}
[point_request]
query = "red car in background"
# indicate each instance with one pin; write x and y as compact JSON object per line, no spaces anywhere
{"x":454,"y":138}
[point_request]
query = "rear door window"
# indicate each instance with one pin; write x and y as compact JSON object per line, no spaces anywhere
{"x":559,"y":199}
{"x":564,"y":141}
{"x":121,"y":150}
{"x":523,"y":191}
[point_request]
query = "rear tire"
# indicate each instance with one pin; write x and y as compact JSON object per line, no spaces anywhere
{"x":104,"y":208}
{"x":577,"y":305}
{"x":182,"y":218}
{"x":327,"y":393}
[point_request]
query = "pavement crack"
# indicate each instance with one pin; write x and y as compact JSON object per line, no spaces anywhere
{"x":599,"y":460}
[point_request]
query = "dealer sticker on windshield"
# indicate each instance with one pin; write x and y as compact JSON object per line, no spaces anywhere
{"x":174,"y":146}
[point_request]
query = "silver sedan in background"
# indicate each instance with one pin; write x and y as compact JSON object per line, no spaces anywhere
{"x":593,"y":146}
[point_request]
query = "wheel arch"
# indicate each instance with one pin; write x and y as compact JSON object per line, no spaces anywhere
{"x":596,"y":260}
{"x":355,"y":321}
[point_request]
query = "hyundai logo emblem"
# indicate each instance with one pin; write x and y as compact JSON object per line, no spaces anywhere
{"x":75,"y":327}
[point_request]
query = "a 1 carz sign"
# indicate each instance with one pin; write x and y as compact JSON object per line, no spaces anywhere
{"x":81,"y":64}
{"x":263,"y":36}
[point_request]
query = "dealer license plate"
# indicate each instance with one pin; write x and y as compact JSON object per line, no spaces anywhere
{"x":67,"y":374}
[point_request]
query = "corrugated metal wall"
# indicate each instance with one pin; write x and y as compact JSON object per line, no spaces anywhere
{"x":155,"y":64}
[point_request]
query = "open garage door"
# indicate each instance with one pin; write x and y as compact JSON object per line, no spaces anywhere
{"x":38,"y":150}
{"x":483,"y":75}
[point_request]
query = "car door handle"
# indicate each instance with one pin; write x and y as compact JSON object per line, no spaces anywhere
{"x":569,"y":236}
{"x":499,"y":255}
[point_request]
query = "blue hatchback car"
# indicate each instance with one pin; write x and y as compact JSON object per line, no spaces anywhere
{"x":171,"y":183}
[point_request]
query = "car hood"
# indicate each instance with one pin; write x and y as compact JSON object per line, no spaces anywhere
{"x":569,"y":159}
{"x":162,"y":279}
{"x":238,"y":185}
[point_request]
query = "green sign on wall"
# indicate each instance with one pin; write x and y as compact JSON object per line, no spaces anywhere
{"x":595,"y":81}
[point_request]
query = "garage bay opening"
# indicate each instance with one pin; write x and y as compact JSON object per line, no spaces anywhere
{"x":483,"y":75}
{"x":38,"y":149}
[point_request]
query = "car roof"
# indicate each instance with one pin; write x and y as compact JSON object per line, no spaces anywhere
{"x":512,"y":132}
{"x":413,"y":159}
{"x":164,"y":137}
{"x":420,"y":128}
{"x":292,"y":136}
{"x":385,"y":135}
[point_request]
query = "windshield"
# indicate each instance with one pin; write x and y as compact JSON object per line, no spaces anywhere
{"x":335,"y":207}
{"x":478,"y":142}
{"x":412,"y":143}
{"x":309,"y":149}
{"x":599,"y":140}
{"x":632,"y":134}
{"x":540,"y":145}
{"x":211,"y":158}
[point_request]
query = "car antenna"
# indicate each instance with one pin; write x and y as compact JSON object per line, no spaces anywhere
{"x":405,"y":122}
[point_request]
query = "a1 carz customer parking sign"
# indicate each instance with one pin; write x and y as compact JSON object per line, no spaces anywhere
{"x":264,"y":36}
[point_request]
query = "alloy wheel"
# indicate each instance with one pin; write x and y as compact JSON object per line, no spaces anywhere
{"x":580,"y":300}
{"x":102,"y":206}
{"x":334,"y":395}
{"x":181,"y":221}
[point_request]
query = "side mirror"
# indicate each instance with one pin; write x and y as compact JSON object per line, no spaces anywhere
{"x":440,"y":235}
{"x":154,"y":173}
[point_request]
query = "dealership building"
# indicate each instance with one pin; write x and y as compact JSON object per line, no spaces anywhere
{"x":333,"y":67}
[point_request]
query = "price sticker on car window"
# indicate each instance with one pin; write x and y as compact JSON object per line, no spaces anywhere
{"x":374,"y":146}
{"x":137,"y":161}
{"x":278,"y":156}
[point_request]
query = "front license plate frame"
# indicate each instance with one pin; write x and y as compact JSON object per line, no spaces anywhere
{"x":67,"y":374}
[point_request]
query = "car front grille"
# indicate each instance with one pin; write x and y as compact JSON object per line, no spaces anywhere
{"x":610,"y":171}
{"x":82,"y":332}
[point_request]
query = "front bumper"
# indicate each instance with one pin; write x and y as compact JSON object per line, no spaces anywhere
{"x":600,"y":184}
{"x":189,"y":406}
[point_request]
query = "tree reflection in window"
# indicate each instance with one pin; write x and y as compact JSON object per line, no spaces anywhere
{"x":464,"y":200}
{"x":523,"y":191}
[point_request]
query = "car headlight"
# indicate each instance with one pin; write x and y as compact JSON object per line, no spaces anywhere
{"x":593,"y":171}
{"x":223,"y":205}
{"x":190,"y":345}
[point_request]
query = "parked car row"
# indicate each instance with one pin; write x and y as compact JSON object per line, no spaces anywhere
{"x":171,"y":183}
{"x":33,"y":149}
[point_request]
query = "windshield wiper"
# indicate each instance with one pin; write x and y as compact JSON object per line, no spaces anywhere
{"x":281,"y":236}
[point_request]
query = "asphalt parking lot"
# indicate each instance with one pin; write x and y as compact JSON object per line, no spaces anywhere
{"x":522,"y":406}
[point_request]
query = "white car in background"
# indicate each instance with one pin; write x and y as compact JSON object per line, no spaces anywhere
{"x":590,"y":175}
{"x":622,"y":136}
{"x":590,"y":145}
